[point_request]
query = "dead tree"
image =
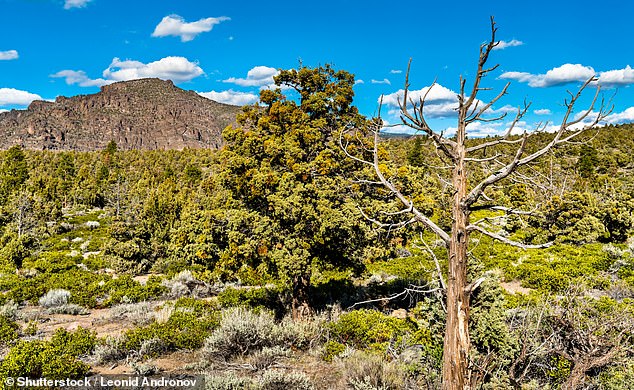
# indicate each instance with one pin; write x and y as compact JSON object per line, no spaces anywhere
{"x":467,"y":196}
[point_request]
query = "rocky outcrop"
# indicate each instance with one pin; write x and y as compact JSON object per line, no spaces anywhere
{"x":138,"y":114}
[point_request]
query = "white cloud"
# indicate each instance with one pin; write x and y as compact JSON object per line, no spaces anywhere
{"x":11,"y":96}
{"x":259,"y":76}
{"x":8,"y":55}
{"x":68,"y":4}
{"x":440,"y":101}
{"x":617,"y":77}
{"x":384,"y":81}
{"x":177,"y":69}
{"x":504,"y":44}
{"x":359,"y":81}
{"x":543,"y":111}
{"x":437,"y":94}
{"x":564,"y":74}
{"x":174,"y":25}
{"x":626,"y":116}
{"x":396,"y":71}
{"x":232,"y":97}
{"x":507,"y":109}
{"x":80,"y":78}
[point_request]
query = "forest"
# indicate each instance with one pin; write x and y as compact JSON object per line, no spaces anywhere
{"x":277,"y":262}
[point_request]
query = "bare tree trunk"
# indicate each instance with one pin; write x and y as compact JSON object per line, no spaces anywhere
{"x":301,"y":303}
{"x":456,"y":342}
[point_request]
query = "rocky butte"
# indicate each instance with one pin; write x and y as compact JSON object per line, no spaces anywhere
{"x":138,"y":114}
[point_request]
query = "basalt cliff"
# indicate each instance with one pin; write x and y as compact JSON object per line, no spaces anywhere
{"x":138,"y":114}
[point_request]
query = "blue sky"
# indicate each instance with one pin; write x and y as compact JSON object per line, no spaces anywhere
{"x":228,"y":50}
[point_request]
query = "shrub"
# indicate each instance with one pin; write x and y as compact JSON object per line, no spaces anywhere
{"x":139,"y":313}
{"x":185,"y":284}
{"x":54,"y":359}
{"x":617,"y":377}
{"x":9,"y":309}
{"x":69,"y":308}
{"x":240,"y":332}
{"x":298,"y":334}
{"x":279,"y":380}
{"x":55,"y":262}
{"x":229,"y":382}
{"x":55,"y":298}
{"x":182,"y":330}
{"x":196,"y":305}
{"x":152,"y":347}
{"x":369,"y":328}
{"x":8,"y":330}
{"x":371,"y":372}
{"x":109,"y":350}
{"x":133,"y":291}
{"x":243,"y":332}
{"x":253,"y":298}
{"x":268,"y":356}
{"x":332,"y":349}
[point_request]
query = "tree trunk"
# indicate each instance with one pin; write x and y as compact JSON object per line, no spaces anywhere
{"x":301,"y":302}
{"x":456,"y":343}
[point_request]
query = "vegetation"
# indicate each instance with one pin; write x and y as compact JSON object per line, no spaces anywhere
{"x":258,"y":257}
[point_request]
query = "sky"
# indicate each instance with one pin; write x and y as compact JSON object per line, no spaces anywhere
{"x":229,"y":50}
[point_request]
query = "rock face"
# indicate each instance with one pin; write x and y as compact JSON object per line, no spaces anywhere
{"x":138,"y":114}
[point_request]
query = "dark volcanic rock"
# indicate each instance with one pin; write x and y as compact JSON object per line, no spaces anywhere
{"x":138,"y":114}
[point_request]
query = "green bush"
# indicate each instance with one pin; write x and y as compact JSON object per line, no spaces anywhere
{"x":253,"y":298}
{"x":369,"y":329}
{"x":54,"y":359}
{"x":15,"y":250}
{"x":183,"y":330}
{"x":332,"y":349}
{"x":54,"y":262}
{"x":195,"y":305}
{"x":8,"y":330}
{"x":125,"y":286}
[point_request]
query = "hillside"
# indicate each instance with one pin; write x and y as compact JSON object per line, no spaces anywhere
{"x":138,"y":114}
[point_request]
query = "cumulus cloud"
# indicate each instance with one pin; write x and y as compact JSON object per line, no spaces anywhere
{"x":80,"y":78}
{"x":11,"y":96}
{"x":8,"y":55}
{"x":68,"y":4}
{"x":491,"y":129}
{"x":504,"y":44}
{"x":565,"y":74}
{"x":543,"y":111}
{"x":177,"y":69}
{"x":569,"y":73}
{"x":174,"y":25}
{"x":384,"y":81}
{"x":359,"y":81}
{"x":626,"y":116}
{"x":259,"y":76}
{"x":617,"y":77}
{"x":232,"y":97}
{"x":440,"y":101}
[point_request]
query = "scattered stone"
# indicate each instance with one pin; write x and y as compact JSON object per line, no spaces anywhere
{"x":92,"y":224}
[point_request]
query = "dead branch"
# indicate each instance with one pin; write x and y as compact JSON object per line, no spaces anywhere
{"x":411,"y":290}
{"x":506,"y":240}
{"x":404,"y":200}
